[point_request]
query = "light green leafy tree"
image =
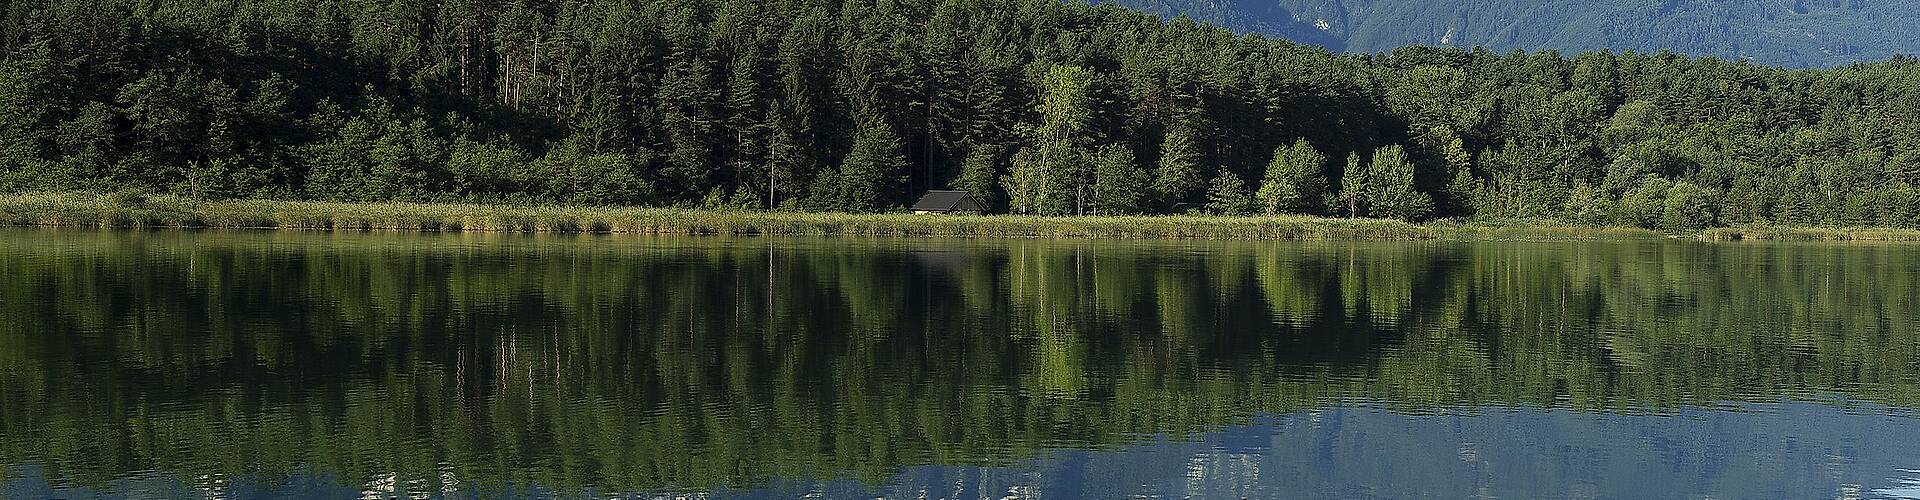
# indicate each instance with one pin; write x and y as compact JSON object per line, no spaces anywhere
{"x":1353,"y":186}
{"x":1294,"y":183}
{"x":1390,"y":192}
{"x":1119,"y":185}
{"x":979,"y":175}
{"x":1227,"y":195}
{"x":1178,"y":177}
{"x":1052,"y":177}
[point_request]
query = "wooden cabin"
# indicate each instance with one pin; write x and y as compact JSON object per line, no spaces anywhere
{"x":947,"y":202}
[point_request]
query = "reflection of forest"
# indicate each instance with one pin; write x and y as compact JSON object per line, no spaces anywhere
{"x":639,"y":363}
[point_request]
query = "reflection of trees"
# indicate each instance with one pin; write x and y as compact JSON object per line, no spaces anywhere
{"x":634,"y":364}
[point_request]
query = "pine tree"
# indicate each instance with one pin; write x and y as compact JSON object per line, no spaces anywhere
{"x":689,"y":99}
{"x":802,"y":125}
{"x":749,"y":159}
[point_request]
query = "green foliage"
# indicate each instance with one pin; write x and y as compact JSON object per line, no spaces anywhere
{"x":128,"y":198}
{"x":740,"y":201}
{"x":979,"y":175}
{"x":1353,"y":187}
{"x":869,"y":174}
{"x":1688,"y":208}
{"x":1901,"y":202}
{"x":1120,"y":186}
{"x":1295,"y":182}
{"x":1065,"y":105}
{"x":1178,"y":177}
{"x":1052,"y":175}
{"x":862,"y":106}
{"x":1227,"y":195}
{"x":1390,"y":193}
{"x":1646,"y":205}
{"x":1588,"y":205}
{"x":1461,"y":184}
{"x":1031,"y":187}
{"x":480,"y":170}
{"x":576,"y":174}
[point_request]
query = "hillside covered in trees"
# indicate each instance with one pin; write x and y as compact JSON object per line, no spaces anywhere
{"x":1799,"y":33}
{"x":1037,"y":106}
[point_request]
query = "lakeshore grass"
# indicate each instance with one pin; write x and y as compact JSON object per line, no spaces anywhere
{"x":1788,"y":233}
{"x":166,"y":211}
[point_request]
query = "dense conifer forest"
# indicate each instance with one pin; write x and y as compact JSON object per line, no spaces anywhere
{"x":1036,"y":106}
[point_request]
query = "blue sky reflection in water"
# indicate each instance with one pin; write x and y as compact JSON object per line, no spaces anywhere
{"x":327,"y":365}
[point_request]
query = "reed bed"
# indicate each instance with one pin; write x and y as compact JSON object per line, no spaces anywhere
{"x":161,"y":211}
{"x":1778,"y":233}
{"x":76,"y":209}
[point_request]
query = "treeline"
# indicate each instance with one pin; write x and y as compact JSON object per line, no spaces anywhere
{"x":1036,"y":106}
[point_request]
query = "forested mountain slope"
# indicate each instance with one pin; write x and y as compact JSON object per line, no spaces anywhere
{"x":1037,"y":106}
{"x":1778,"y":32}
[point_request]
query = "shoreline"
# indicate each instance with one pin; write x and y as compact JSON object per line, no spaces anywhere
{"x":165,"y":211}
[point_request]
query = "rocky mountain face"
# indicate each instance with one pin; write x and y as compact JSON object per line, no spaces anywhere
{"x":1802,"y":33}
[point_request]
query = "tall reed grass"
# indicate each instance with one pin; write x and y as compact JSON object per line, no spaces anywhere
{"x":1780,"y":233}
{"x":137,"y":211}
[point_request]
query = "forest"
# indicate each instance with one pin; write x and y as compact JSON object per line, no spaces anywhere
{"x":1041,"y":107}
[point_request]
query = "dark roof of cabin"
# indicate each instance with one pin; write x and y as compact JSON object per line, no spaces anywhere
{"x":946,"y":201}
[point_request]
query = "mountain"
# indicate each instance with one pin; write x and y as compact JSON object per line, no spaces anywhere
{"x":1800,"y":33}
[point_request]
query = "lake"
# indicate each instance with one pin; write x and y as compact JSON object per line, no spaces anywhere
{"x":238,"y":364}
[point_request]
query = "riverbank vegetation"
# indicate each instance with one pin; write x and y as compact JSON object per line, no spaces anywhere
{"x":1038,"y":107}
{"x":132,"y":210}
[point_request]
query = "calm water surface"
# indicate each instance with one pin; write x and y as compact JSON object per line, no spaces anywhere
{"x":383,"y":365}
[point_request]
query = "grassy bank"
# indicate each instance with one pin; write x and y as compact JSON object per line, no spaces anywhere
{"x":1777,"y":233}
{"x":120,"y":210}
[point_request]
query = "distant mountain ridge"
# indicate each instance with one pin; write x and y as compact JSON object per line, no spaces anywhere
{"x":1800,"y":33}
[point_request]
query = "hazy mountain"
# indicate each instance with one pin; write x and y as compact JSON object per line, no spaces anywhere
{"x":1783,"y":32}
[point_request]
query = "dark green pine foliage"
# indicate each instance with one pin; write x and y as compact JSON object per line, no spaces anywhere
{"x":870,"y":173}
{"x":1038,"y":106}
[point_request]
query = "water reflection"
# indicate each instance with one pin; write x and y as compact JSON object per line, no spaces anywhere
{"x":264,"y":364}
